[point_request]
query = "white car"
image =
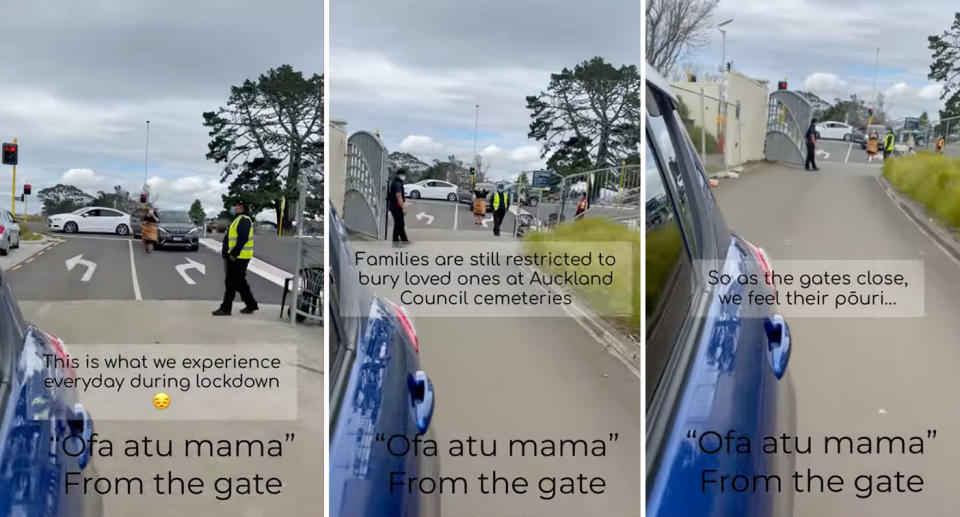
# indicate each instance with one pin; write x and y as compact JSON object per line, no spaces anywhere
{"x":9,"y":232}
{"x":831,"y":130}
{"x":431,"y":189}
{"x":91,"y":219}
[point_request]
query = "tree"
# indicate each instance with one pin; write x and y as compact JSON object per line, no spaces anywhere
{"x":925,"y":119}
{"x":119,"y":199}
{"x":945,"y":66}
{"x":197,"y":215}
{"x":854,"y":111}
{"x":270,"y":131}
{"x":589,"y":117}
{"x":452,"y":170}
{"x":61,"y":198}
{"x":674,"y":27}
{"x":314,"y":197}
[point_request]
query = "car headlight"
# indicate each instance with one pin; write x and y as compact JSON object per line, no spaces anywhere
{"x":193,"y":232}
{"x":163,"y":232}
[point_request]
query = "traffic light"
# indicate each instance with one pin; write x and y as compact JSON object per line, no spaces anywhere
{"x":9,"y":154}
{"x":26,"y":189}
{"x":782,"y":85}
{"x":143,"y":198}
{"x":473,"y":171}
{"x":870,"y":111}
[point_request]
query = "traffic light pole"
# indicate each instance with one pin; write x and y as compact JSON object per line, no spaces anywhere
{"x":13,"y":190}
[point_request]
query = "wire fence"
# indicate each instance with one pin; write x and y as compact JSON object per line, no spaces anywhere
{"x":714,"y":124}
{"x":609,"y":192}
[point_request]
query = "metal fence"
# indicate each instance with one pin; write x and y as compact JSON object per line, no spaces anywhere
{"x":610,"y":192}
{"x":714,"y":125}
{"x":305,"y":288}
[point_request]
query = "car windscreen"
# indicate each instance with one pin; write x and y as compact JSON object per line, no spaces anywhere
{"x":174,"y":217}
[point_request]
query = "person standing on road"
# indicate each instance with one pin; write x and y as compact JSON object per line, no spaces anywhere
{"x":237,"y":251}
{"x":811,"y":139}
{"x":940,"y":143}
{"x":888,"y":142}
{"x":873,"y":146}
{"x":500,"y":201}
{"x":479,"y":205}
{"x":397,"y":204}
{"x":148,"y":228}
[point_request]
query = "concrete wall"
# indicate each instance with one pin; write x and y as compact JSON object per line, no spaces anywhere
{"x":744,"y":137}
{"x":336,"y":179}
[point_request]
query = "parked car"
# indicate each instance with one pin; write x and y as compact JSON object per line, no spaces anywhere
{"x":377,"y":387}
{"x":431,"y":189}
{"x":711,"y":367}
{"x":9,"y":232}
{"x":177,"y":229}
{"x":831,"y":130}
{"x":34,"y":419}
{"x":91,"y":219}
{"x":217,"y":225}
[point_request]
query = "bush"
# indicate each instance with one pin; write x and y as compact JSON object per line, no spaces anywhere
{"x":607,"y":301}
{"x":930,"y":178}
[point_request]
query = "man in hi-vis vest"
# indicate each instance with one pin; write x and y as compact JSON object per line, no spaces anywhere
{"x":500,"y":201}
{"x":237,"y":251}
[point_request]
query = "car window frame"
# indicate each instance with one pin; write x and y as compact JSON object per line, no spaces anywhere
{"x":662,"y":405}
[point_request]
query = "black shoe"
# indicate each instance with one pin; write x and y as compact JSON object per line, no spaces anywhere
{"x":221,"y":312}
{"x":249,"y":310}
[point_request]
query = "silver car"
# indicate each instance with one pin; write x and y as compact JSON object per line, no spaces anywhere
{"x":9,"y":232}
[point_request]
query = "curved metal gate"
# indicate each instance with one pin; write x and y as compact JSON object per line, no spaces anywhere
{"x":365,"y":193}
{"x":788,"y":115}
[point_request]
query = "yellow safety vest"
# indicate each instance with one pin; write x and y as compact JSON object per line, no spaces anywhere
{"x":888,"y":142}
{"x":496,"y":199}
{"x":247,"y":251}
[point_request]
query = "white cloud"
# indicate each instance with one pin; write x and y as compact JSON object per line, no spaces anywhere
{"x":930,"y":92}
{"x":84,"y":179}
{"x":826,"y":84}
{"x":419,"y":145}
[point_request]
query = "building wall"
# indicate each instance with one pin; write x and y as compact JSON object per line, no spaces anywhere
{"x":336,"y":179}
{"x":744,"y":137}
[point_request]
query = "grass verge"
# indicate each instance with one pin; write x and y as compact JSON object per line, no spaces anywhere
{"x":27,"y":235}
{"x":929,"y":178}
{"x":619,"y":303}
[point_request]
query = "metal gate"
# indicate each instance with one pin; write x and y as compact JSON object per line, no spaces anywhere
{"x":788,"y":115}
{"x":365,"y":194}
{"x":611,"y":192}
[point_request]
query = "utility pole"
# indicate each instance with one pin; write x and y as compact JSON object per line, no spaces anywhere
{"x":476,"y":127}
{"x":13,"y":189}
{"x":876,"y":68}
{"x":146,"y":157}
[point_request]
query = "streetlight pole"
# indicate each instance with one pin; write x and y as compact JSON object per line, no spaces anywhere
{"x":476,"y":127}
{"x":876,"y":67}
{"x":146,"y":156}
{"x":722,"y":112}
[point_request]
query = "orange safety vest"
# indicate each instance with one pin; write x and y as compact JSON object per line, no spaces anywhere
{"x":582,"y":205}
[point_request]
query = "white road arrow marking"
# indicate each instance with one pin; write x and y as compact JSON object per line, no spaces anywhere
{"x":423,"y":215}
{"x":89,"y":264}
{"x":487,"y":220}
{"x":191,"y":264}
{"x":824,"y":154}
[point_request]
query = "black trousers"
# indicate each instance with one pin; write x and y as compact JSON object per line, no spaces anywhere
{"x":399,"y":228}
{"x":811,"y":158}
{"x":236,"y":282}
{"x":886,"y":154}
{"x":498,"y":220}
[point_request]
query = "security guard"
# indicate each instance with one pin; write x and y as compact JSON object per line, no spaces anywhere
{"x":500,"y":201}
{"x":888,"y":144}
{"x":237,"y":251}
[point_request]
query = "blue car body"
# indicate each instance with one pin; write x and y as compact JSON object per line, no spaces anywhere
{"x":381,"y":401}
{"x":722,"y":367}
{"x":34,"y":420}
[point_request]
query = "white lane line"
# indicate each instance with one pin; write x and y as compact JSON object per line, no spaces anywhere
{"x":258,"y":267}
{"x":915,"y":223}
{"x":849,"y":148}
{"x":456,"y":210}
{"x":133,"y":274}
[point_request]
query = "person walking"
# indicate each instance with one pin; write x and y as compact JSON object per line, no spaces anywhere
{"x":237,"y":251}
{"x":479,"y":205}
{"x":811,"y":139}
{"x":397,"y":204}
{"x":581,"y":207}
{"x":500,"y":201}
{"x":873,"y":146}
{"x":148,"y":228}
{"x":940,"y":144}
{"x":888,"y":142}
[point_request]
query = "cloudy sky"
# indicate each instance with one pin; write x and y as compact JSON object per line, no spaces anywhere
{"x":78,"y":80}
{"x":417,"y":69}
{"x":829,"y":47}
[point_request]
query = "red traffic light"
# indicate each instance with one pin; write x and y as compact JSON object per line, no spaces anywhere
{"x":143,"y":198}
{"x":782,"y":85}
{"x":870,"y":111}
{"x":26,"y":189}
{"x":9,"y":154}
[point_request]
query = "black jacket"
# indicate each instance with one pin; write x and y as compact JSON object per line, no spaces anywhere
{"x":243,"y":231}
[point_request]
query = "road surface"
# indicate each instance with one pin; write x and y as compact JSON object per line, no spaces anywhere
{"x":862,"y":377}
{"x":527,"y":378}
